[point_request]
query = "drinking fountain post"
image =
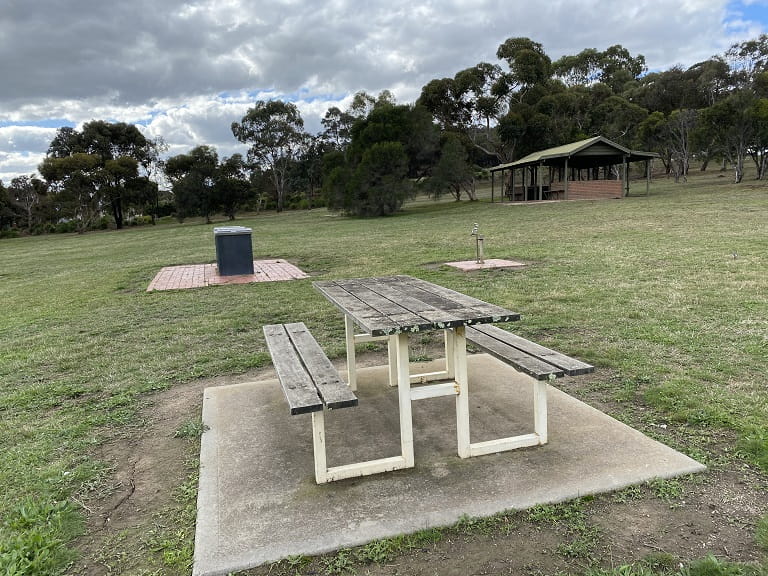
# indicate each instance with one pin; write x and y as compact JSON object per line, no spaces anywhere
{"x":479,"y":241}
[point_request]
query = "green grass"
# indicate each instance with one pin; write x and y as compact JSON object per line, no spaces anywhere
{"x":665,"y":294}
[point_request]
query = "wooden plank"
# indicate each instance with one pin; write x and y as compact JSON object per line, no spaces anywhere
{"x":387,"y":307}
{"x":436,"y":312}
{"x":432,"y":312}
{"x":332,"y":390}
{"x":522,"y":361}
{"x":483,"y":311}
{"x":570,"y":366}
{"x":390,"y":305}
{"x":365,"y":316}
{"x":300,"y":391}
{"x":379,"y":314}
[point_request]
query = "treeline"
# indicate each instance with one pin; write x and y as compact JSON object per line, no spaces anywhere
{"x":371,"y":157}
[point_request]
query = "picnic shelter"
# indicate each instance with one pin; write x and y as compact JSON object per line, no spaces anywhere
{"x":594,"y":168}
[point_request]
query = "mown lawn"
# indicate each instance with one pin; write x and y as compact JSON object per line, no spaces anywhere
{"x":667,"y":294}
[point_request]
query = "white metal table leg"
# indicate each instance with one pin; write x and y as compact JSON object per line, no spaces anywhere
{"x":459,"y":355}
{"x":450,"y":369}
{"x":540,"y":410}
{"x":349,"y":330}
{"x":392,"y":356}
{"x":404,"y":397}
{"x":537,"y":438}
{"x":318,"y":445}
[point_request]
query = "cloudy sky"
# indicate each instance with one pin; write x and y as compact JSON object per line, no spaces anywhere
{"x":184,"y":70}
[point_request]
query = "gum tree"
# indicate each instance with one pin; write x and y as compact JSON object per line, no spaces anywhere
{"x":117,"y":148}
{"x":274,"y":130}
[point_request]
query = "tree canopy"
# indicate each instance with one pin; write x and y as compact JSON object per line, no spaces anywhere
{"x":368,"y":158}
{"x":274,"y":130}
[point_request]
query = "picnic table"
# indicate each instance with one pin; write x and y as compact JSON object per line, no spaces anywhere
{"x":392,"y":308}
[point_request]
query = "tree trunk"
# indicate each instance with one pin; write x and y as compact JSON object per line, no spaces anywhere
{"x":279,"y":191}
{"x":117,"y":212}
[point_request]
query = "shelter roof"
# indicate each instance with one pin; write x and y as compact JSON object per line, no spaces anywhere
{"x":595,"y":151}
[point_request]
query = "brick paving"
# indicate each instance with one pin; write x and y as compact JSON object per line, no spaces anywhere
{"x":490,"y":263}
{"x":201,"y":275}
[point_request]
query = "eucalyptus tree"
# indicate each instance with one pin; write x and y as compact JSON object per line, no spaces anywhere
{"x":453,"y":172}
{"x":379,"y":181}
{"x":488,"y":104}
{"x":731,"y":123}
{"x":748,"y":59}
{"x":615,"y":67}
{"x":337,"y":127}
{"x":274,"y":131}
{"x":681,"y":128}
{"x":617,"y":118}
{"x":152,"y":164}
{"x":307,"y":172}
{"x":117,"y":148}
{"x":8,"y":211}
{"x":410,"y":125}
{"x":193,"y":178}
{"x":652,"y":134}
{"x":231,"y":184}
{"x":75,"y":180}
{"x":619,"y":67}
{"x":398,"y":138}
{"x":712,"y":78}
{"x":665,"y":91}
{"x":528,"y":64}
{"x":28,"y":193}
{"x":363,"y":103}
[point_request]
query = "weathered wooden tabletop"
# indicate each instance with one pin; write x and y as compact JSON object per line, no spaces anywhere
{"x":395,"y":304}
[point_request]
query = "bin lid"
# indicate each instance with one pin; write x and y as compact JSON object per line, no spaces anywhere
{"x":230,"y":230}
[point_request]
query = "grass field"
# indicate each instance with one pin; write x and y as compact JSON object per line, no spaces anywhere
{"x":666,"y":294}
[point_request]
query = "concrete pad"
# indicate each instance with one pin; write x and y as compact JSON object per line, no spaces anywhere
{"x":469,"y":265}
{"x":258,"y":501}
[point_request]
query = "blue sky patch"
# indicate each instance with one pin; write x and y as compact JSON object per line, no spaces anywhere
{"x":755,"y":11}
{"x":46,"y":123}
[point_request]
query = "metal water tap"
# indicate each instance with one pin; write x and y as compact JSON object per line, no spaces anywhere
{"x":479,"y":256}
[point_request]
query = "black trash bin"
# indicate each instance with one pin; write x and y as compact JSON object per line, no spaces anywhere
{"x":234,"y":253}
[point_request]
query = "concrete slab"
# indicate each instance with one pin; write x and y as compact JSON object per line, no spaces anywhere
{"x":469,"y":265}
{"x":258,"y":501}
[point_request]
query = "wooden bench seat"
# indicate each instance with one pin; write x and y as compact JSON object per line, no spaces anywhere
{"x":311,"y":385}
{"x":528,"y":357}
{"x":309,"y":380}
{"x":542,"y":364}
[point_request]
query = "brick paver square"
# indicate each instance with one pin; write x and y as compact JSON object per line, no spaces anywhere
{"x":201,"y":275}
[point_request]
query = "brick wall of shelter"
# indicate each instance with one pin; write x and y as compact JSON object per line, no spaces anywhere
{"x":594,"y":189}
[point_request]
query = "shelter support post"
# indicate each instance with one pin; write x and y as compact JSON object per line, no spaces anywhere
{"x":626,"y":175}
{"x":648,"y":165}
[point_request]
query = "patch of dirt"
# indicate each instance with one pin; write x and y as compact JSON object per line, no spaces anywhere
{"x":716,"y":512}
{"x":148,"y":463}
